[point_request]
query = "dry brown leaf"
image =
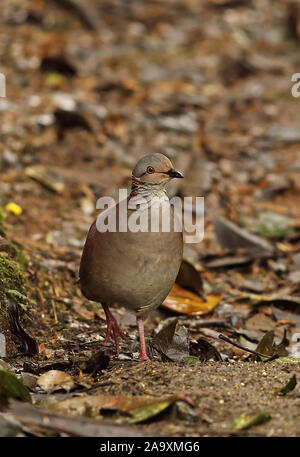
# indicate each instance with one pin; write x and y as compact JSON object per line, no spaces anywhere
{"x":134,"y":409}
{"x":55,"y":380}
{"x":184,"y":302}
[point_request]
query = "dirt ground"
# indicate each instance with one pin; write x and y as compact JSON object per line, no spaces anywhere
{"x":221,"y":392}
{"x":89,"y":91}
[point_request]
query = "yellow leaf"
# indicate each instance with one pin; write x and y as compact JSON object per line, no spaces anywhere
{"x":182,"y":301}
{"x":14,"y":208}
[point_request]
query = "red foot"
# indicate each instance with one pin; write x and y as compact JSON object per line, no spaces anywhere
{"x":144,"y":358}
{"x":143,"y":354}
{"x":112,"y":326}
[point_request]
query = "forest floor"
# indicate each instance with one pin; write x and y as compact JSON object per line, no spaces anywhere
{"x":89,"y":91}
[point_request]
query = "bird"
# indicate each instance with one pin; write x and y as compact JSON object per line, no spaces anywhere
{"x":134,"y":268}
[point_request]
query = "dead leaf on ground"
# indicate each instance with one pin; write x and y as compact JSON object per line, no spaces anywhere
{"x":56,"y":380}
{"x":244,"y":422}
{"x":121,"y":409}
{"x":204,"y":350}
{"x":182,"y":301}
{"x":268,"y":347}
{"x":287,"y":360}
{"x":231,"y":236}
{"x":33,"y":417}
{"x":172,"y":340}
{"x":289,"y":386}
{"x":189,"y":278}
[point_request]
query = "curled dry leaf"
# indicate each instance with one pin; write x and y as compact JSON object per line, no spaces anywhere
{"x":189,"y":278}
{"x":122,"y":409}
{"x":172,"y":340}
{"x":182,"y":301}
{"x":204,"y":351}
{"x":55,"y":380}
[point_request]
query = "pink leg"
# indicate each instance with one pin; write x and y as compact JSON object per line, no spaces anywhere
{"x":143,"y":353}
{"x":112,"y":326}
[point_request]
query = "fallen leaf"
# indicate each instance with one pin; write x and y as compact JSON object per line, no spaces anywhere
{"x":191,"y":359}
{"x":268,"y":347}
{"x":31,"y":416}
{"x":244,"y":422}
{"x":189,"y":278}
{"x":12,"y":387}
{"x":289,"y":386}
{"x":182,"y":301}
{"x":172,"y":340}
{"x":204,"y":351}
{"x":231,"y":236}
{"x":55,"y":380}
{"x":121,"y":409}
{"x":287,"y":360}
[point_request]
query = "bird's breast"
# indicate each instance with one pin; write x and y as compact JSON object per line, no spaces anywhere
{"x":136,"y":268}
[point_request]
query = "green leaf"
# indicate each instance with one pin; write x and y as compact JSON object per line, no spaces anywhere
{"x":11,"y":387}
{"x":146,"y":412}
{"x":289,"y":386}
{"x":287,"y":360}
{"x":191,"y":359}
{"x":244,"y":422}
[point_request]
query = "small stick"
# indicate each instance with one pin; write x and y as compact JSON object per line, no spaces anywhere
{"x":268,"y":358}
{"x":54,"y":310}
{"x":53,"y":300}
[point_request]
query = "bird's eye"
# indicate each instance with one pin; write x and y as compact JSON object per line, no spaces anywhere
{"x":150,"y":170}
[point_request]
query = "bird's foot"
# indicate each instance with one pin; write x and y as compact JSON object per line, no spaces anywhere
{"x":144,"y":358}
{"x":143,"y":354}
{"x":112,"y":327}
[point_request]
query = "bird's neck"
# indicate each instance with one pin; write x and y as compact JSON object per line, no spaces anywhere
{"x":146,"y":193}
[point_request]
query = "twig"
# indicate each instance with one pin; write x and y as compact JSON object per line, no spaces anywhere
{"x":54,"y":310}
{"x":268,"y":358}
{"x":53,"y":299}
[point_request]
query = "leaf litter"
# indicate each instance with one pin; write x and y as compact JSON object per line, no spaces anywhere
{"x":230,"y":125}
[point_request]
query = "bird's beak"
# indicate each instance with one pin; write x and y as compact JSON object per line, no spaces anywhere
{"x":174,"y":174}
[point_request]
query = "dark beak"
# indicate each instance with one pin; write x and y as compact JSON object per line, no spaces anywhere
{"x":174,"y":174}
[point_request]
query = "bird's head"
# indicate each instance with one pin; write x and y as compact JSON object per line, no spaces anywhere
{"x":155,"y":169}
